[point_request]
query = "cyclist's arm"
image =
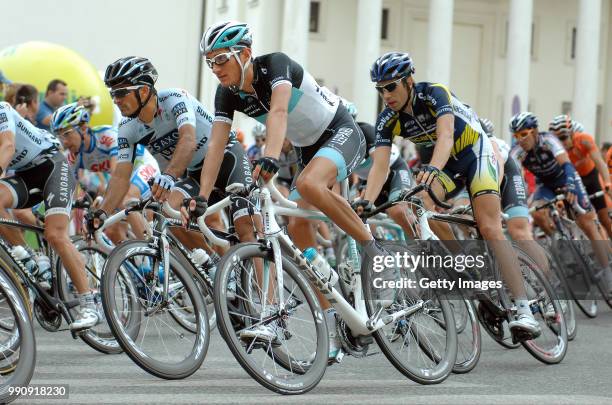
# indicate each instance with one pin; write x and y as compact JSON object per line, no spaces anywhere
{"x":219,"y":137}
{"x":276,"y":123}
{"x":118,"y":186}
{"x":113,"y":165}
{"x":567,"y":166}
{"x":7,"y":149}
{"x":184,"y":151}
{"x":601,"y":165}
{"x":445,"y":127}
{"x":378,"y":173}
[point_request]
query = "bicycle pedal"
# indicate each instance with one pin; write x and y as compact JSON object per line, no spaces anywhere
{"x":337,"y":359}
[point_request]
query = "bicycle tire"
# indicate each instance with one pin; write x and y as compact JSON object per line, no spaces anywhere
{"x":161,"y":369}
{"x":227,"y":315}
{"x":445,"y":362}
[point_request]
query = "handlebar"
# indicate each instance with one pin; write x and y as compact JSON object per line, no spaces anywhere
{"x":405,"y":196}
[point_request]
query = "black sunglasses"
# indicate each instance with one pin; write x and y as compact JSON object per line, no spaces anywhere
{"x":390,"y":87}
{"x":124,"y":91}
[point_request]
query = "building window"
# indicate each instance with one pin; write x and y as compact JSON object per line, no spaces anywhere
{"x":315,"y":11}
{"x":384,"y":28}
{"x":573,"y":44}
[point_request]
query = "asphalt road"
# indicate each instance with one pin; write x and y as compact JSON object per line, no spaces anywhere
{"x":502,"y":377}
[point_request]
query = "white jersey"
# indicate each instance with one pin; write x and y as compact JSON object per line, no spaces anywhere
{"x":176,"y":107}
{"x":504,"y":148}
{"x":32,"y":145}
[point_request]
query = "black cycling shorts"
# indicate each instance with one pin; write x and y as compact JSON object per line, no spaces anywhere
{"x":400,"y":178}
{"x":51,"y":182}
{"x":235,"y":168}
{"x":592,"y":185}
{"x":513,"y":190}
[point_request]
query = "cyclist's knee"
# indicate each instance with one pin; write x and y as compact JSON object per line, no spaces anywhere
{"x":519,"y":229}
{"x":56,"y":235}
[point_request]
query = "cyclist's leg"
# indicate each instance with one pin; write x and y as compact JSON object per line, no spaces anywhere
{"x":399,"y":179}
{"x":587,"y":221}
{"x":514,"y":205}
{"x":13,"y":194}
{"x":593,"y":185}
{"x":542,"y":219}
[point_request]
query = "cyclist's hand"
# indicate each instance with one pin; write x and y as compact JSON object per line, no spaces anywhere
{"x":427,"y":174}
{"x":193,"y":208}
{"x":94,"y":220}
{"x":362,"y":207}
{"x":570,"y":193}
{"x":266,"y":168}
{"x":162,"y":184}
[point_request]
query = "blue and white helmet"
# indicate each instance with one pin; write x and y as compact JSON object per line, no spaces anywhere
{"x":392,"y":65}
{"x":68,"y":116}
{"x":226,"y":34}
{"x":577,"y":127}
{"x":521,"y":121}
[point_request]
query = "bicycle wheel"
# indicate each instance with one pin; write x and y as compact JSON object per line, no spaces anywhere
{"x":100,"y":336}
{"x":21,"y":360}
{"x":550,"y":347}
{"x":421,"y":346}
{"x":160,"y":347}
{"x":559,"y":285}
{"x":573,"y":265}
{"x":469,"y":343}
{"x":295,"y":359}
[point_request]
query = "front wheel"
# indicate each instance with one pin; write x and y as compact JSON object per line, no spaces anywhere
{"x":152,"y":338}
{"x":423,"y":345}
{"x":283,"y":347}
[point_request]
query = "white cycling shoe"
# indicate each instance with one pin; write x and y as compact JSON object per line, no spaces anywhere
{"x":526,"y":323}
{"x":87,"y":318}
{"x":262,"y":333}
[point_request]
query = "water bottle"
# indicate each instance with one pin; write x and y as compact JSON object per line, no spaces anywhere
{"x":321,"y":265}
{"x":44,"y":268}
{"x":24,"y":256}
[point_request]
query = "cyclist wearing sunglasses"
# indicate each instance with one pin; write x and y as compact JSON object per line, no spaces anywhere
{"x":544,"y":156}
{"x":586,"y":158}
{"x":175,"y":128}
{"x":429,"y":114}
{"x":33,"y":154}
{"x":277,"y":91}
{"x":95,"y":149}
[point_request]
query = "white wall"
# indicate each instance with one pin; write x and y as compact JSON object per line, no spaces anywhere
{"x":167,"y":32}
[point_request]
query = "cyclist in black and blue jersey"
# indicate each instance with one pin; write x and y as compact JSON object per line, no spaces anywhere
{"x":42,"y":174}
{"x":544,"y":156}
{"x":277,"y":91}
{"x":428,"y":113}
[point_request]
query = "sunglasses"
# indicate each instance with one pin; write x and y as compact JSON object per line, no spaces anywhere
{"x":390,"y":87}
{"x":124,"y":91}
{"x":522,"y":135}
{"x":65,"y":133}
{"x":219,"y":59}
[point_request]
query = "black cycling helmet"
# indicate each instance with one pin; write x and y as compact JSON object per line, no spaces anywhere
{"x":131,"y":69}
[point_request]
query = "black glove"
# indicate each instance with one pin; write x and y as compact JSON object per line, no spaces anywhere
{"x":268,"y":164}
{"x":366,"y":206}
{"x":90,"y":217}
{"x":435,"y":172}
{"x":200,"y":207}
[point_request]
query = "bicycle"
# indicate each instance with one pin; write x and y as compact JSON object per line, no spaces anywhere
{"x":282,"y":295}
{"x":494,"y":307}
{"x":165,"y":286}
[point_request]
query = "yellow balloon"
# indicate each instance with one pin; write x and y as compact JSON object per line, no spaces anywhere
{"x":37,"y":63}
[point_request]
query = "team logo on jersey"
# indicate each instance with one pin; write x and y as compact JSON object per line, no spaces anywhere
{"x":179,"y":109}
{"x":123,"y":143}
{"x":107,"y":140}
{"x":3,"y":118}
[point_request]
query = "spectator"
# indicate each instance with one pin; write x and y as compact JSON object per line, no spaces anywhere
{"x":10,"y":91}
{"x":26,"y":102}
{"x":55,"y":97}
{"x":259,"y":133}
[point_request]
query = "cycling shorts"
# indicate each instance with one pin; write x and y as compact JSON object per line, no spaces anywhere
{"x":51,"y":182}
{"x":235,"y":168}
{"x":474,"y":167}
{"x":342,"y":142}
{"x":546,"y":191}
{"x":514,"y":191}
{"x":400,"y":178}
{"x":592,"y":185}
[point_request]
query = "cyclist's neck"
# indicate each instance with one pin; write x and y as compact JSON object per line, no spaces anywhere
{"x":149,"y":111}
